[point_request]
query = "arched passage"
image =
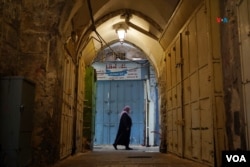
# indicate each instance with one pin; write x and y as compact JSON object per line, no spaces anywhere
{"x":125,"y":77}
{"x":50,"y":42}
{"x":183,"y":74}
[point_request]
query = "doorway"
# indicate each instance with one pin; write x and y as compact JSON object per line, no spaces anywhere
{"x":125,"y":77}
{"x":111,"y":97}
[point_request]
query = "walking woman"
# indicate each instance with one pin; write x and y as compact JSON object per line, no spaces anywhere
{"x":124,"y":130}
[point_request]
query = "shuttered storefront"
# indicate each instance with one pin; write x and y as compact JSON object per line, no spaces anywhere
{"x":118,"y":84}
{"x":112,"y":96}
{"x":194,"y":92}
{"x":67,"y":107}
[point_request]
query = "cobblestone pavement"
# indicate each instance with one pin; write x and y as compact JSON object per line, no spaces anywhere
{"x":106,"y":156}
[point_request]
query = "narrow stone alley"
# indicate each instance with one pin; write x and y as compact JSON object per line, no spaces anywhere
{"x":138,"y":157}
{"x":68,"y":68}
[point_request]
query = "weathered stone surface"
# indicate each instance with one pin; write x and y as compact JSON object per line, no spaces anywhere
{"x":232,"y":76}
{"x":9,"y":37}
{"x":31,"y":47}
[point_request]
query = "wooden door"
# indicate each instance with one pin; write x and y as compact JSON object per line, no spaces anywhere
{"x":174,"y":100}
{"x":67,"y":107}
{"x":189,"y":92}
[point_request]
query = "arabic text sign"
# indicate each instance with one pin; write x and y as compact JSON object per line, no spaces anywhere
{"x":118,"y":71}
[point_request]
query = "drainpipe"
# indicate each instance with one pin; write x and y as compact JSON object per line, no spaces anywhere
{"x":146,"y":114}
{"x":147,"y":100}
{"x":149,"y":105}
{"x":74,"y":138}
{"x":74,"y":134}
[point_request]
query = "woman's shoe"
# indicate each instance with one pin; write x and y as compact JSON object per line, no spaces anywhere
{"x":115,"y":146}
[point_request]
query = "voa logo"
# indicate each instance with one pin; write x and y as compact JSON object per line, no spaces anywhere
{"x":236,"y":158}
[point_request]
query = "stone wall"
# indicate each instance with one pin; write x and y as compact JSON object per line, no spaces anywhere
{"x":9,"y":37}
{"x":232,"y":76}
{"x":42,"y":57}
{"x":31,"y":46}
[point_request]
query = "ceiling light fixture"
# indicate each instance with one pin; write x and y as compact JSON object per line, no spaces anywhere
{"x":121,"y":30}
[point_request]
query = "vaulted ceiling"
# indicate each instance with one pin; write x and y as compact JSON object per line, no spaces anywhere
{"x":147,"y":21}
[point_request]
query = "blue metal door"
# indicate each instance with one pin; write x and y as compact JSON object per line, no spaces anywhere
{"x":112,"y":96}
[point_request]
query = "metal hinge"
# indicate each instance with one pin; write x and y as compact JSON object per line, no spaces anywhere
{"x":245,"y":82}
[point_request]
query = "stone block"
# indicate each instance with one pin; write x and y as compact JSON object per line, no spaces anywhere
{"x":33,"y":43}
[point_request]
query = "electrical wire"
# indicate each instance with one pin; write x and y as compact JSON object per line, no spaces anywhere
{"x":100,"y":37}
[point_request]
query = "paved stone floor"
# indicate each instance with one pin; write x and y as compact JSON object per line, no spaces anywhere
{"x":106,"y":156}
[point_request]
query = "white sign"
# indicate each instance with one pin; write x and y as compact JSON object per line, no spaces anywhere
{"x":118,"y":71}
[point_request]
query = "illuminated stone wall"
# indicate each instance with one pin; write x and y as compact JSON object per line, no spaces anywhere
{"x":232,"y":76}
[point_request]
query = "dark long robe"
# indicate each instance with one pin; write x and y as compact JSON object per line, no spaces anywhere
{"x":124,"y":130}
